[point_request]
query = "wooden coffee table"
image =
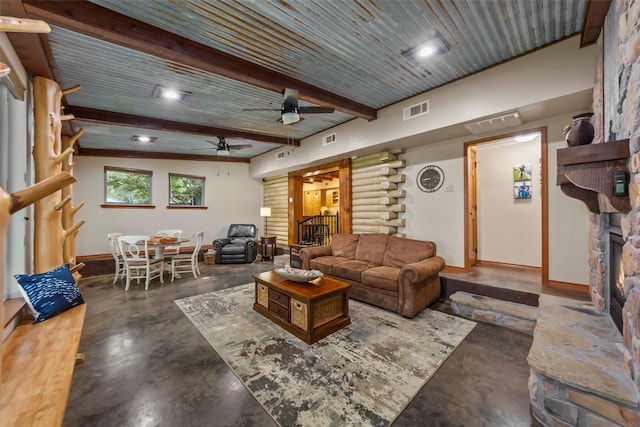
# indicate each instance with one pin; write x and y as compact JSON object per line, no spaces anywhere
{"x":310,"y":311}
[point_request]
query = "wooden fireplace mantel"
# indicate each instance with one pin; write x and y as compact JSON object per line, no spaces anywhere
{"x":586,"y":170}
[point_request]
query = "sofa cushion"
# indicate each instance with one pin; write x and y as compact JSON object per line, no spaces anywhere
{"x":401,"y":252}
{"x":383,"y":277}
{"x":371,"y":248}
{"x":344,"y":245}
{"x":351,"y":269}
{"x":326,"y":263}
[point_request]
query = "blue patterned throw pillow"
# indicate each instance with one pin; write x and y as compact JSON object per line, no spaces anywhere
{"x":50,"y":293}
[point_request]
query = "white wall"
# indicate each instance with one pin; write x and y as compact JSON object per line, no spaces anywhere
{"x":568,"y":227}
{"x":439,"y":216}
{"x":230,"y":195}
{"x":509,"y":229}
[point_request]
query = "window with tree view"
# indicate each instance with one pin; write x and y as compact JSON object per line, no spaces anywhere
{"x":127,"y":186}
{"x":186,"y":190}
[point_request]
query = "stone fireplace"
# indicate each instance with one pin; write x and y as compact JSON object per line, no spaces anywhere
{"x":585,"y":370}
{"x":615,"y":293}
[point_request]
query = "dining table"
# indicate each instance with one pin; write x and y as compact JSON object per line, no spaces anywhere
{"x":160,"y":242}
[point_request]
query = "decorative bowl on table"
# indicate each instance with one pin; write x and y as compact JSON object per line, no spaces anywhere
{"x":298,"y":274}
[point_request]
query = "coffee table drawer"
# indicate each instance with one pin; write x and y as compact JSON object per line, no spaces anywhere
{"x":278,"y":298}
{"x":299,"y":314}
{"x":263,"y":295}
{"x":279,"y":311}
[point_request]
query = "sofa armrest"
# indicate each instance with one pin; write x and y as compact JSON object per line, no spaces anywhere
{"x":307,"y":254}
{"x":421,"y":270}
{"x":419,"y":285}
{"x":219,"y":243}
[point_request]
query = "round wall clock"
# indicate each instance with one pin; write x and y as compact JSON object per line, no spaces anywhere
{"x":430,"y":178}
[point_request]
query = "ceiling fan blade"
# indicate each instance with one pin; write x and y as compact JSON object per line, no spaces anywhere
{"x":261,"y":109}
{"x":315,"y":110}
{"x":240,"y":146}
{"x":290,"y":98}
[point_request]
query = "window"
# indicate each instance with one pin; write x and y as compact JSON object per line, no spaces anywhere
{"x":186,"y":190}
{"x":127,"y":186}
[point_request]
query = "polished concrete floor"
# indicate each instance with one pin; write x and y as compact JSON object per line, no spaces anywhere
{"x":147,"y":365}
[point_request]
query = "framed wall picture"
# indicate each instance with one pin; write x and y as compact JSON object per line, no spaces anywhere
{"x":522,"y":181}
{"x":522,"y":190}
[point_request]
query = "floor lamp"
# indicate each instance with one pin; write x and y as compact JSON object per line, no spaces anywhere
{"x":266,"y":213}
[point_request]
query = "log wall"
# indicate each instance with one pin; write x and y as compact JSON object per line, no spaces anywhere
{"x":276,"y":198}
{"x":376,"y":193}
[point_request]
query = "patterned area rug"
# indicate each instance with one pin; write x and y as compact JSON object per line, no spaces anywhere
{"x":364,"y":374}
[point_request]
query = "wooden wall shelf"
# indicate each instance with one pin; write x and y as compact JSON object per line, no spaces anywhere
{"x":586,"y":170}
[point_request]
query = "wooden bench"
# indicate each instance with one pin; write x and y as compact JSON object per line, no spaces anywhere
{"x":37,"y":366}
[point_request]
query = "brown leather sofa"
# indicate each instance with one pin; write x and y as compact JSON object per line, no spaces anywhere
{"x":397,"y":274}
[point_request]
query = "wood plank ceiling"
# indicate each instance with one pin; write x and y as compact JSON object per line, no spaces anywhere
{"x":231,"y":56}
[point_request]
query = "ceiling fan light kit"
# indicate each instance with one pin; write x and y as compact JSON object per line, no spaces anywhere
{"x":290,"y":117}
{"x":290,"y":111}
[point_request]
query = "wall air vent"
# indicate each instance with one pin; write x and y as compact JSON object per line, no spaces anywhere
{"x":494,"y":123}
{"x":280,"y":155}
{"x":329,"y":139}
{"x":415,"y":110}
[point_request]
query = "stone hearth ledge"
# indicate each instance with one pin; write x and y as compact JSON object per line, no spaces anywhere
{"x":519,"y":317}
{"x":577,"y":371}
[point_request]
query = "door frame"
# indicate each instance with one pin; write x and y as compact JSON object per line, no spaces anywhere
{"x":295,"y":194}
{"x":544,"y":189}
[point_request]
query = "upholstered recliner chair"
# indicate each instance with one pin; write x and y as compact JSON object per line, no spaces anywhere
{"x":240,"y":245}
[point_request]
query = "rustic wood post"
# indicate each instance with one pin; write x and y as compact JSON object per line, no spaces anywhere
{"x":54,"y":235}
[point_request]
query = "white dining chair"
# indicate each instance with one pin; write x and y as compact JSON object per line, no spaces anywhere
{"x":117,"y":257}
{"x":184,"y":263}
{"x":138,"y":262}
{"x":170,"y":251}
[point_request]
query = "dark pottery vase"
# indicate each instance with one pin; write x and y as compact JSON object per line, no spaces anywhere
{"x":581,"y":131}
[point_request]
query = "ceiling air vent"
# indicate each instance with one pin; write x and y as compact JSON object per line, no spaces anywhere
{"x":329,"y":139}
{"x":494,"y":123}
{"x":415,"y":110}
{"x":280,"y":155}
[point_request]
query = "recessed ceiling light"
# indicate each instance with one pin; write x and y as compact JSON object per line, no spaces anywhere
{"x":526,"y":137}
{"x":426,"y":51}
{"x":434,"y":46}
{"x":144,"y":138}
{"x":170,"y":94}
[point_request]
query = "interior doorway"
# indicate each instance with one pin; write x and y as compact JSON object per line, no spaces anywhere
{"x":477,"y":238}
{"x":341,"y":205}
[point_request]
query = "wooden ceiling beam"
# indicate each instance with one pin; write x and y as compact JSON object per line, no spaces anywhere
{"x":120,"y":119}
{"x":28,"y":46}
{"x":99,"y":22}
{"x":96,"y":152}
{"x":593,"y":21}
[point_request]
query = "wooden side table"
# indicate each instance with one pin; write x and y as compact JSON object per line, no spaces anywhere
{"x":267,"y":247}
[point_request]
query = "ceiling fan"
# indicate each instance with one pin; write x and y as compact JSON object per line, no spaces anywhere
{"x":290,"y":111}
{"x":224,"y":149}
